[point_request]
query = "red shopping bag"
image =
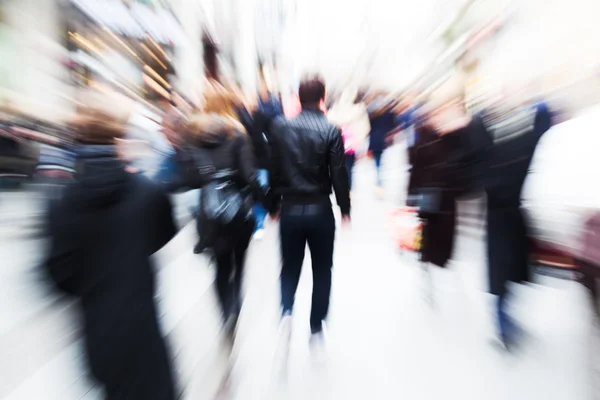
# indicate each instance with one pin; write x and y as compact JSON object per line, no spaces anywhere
{"x":407,"y":228}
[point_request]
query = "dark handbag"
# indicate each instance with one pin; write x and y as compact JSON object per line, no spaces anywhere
{"x":222,"y":201}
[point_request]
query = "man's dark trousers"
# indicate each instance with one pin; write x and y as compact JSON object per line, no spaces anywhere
{"x":315,"y":225}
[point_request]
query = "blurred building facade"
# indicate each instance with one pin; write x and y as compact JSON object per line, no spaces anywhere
{"x":33,"y":73}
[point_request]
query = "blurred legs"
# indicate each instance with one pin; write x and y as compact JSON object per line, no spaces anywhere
{"x":321,"y":237}
{"x":293,"y":243}
{"x":377,"y":158}
{"x":259,"y":211}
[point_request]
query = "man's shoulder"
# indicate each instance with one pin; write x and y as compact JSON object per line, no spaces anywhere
{"x":331,"y":128}
{"x":314,"y":122}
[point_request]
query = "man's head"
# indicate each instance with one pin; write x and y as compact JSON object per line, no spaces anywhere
{"x":311,"y":92}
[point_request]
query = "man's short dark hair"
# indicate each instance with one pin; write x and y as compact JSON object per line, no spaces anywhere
{"x":311,"y":91}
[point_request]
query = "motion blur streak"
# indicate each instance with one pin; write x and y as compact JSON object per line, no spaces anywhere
{"x":165,"y":163}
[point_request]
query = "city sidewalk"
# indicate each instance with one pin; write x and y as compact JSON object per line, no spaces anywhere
{"x":386,"y":342}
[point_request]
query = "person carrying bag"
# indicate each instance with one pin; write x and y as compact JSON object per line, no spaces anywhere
{"x":221,"y":162}
{"x":225,"y":201}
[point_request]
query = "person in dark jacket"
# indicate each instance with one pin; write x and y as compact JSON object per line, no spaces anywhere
{"x":219,"y":102}
{"x":423,"y":134}
{"x":307,"y":161}
{"x":383,"y":122}
{"x":102,"y":233}
{"x":268,"y":109}
{"x":222,"y":154}
{"x":514,"y":136}
{"x":434,"y":174}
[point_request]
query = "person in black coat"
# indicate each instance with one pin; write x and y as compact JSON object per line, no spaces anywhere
{"x":383,"y":122}
{"x":440,"y":174}
{"x":434,"y":175}
{"x":514,"y":136}
{"x":102,"y":233}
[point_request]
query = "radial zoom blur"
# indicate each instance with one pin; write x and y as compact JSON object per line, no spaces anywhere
{"x":299,"y":199}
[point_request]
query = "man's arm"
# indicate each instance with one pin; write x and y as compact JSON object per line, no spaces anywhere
{"x":338,"y":172}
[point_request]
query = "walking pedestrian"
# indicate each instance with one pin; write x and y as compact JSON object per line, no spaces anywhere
{"x":307,"y":161}
{"x":437,"y":180}
{"x":514,"y":136}
{"x":269,"y":108}
{"x":102,"y":234}
{"x":224,"y":167}
{"x":383,"y":122}
{"x":220,"y":104}
{"x":433,"y":178}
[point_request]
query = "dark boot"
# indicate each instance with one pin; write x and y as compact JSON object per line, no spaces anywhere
{"x":200,"y":247}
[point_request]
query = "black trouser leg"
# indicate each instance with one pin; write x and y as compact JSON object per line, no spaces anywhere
{"x":239,"y":257}
{"x":203,"y":234}
{"x":504,"y":321}
{"x":320,"y":237}
{"x":199,"y":226}
{"x":293,"y":242}
{"x":377,"y":157}
{"x":225,"y":265}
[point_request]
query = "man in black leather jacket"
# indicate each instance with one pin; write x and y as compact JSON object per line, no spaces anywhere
{"x":307,"y":161}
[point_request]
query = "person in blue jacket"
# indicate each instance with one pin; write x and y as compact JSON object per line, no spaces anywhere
{"x":269,"y":107}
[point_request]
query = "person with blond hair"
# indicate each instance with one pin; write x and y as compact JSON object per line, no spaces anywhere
{"x":102,"y":233}
{"x":222,"y":165}
{"x":219,"y":105}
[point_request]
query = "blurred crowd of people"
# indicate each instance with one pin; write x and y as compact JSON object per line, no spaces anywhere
{"x":245,"y":161}
{"x":241,"y":160}
{"x":208,"y":101}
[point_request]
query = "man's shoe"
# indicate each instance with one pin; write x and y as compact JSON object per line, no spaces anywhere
{"x":230,"y":326}
{"x":318,"y":346}
{"x":284,"y":337}
{"x":317,"y":339}
{"x":317,"y":336}
{"x":515,"y":338}
{"x":285,"y":326}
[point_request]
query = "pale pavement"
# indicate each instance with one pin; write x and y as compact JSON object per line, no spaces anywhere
{"x":384,"y":340}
